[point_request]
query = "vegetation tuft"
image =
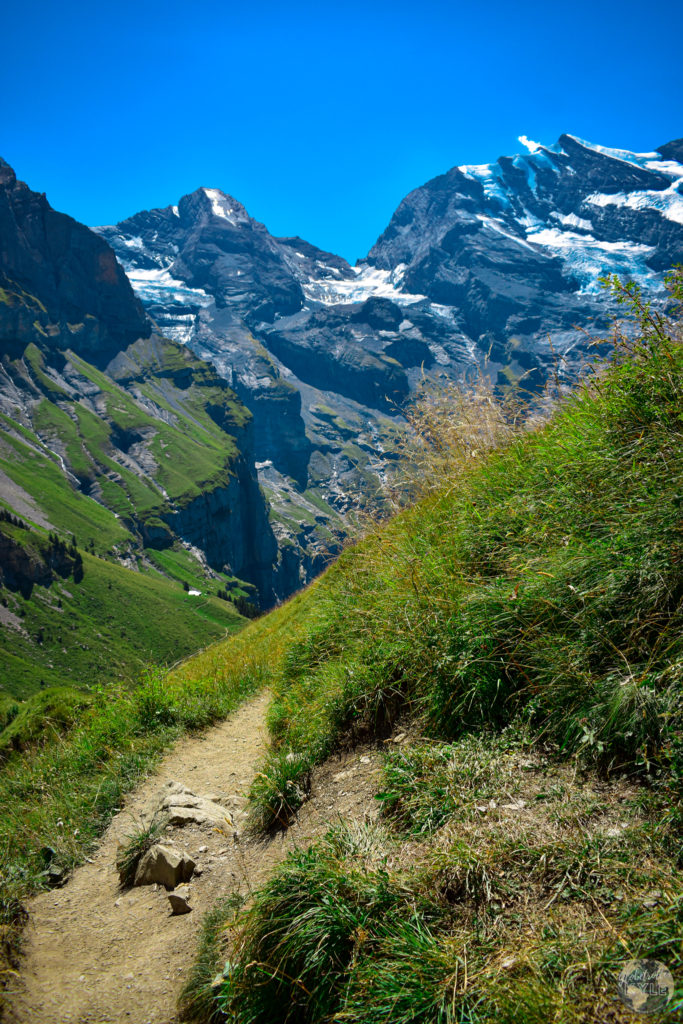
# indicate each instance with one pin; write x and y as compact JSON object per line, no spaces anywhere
{"x":136,"y":846}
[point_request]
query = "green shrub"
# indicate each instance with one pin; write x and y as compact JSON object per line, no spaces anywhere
{"x":43,"y":717}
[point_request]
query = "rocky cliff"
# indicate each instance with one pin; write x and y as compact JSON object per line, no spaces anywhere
{"x":60,"y":281}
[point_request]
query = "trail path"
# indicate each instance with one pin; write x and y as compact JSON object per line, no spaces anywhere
{"x":95,"y":954}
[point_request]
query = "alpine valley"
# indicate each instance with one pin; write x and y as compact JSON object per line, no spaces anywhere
{"x":191,"y":409}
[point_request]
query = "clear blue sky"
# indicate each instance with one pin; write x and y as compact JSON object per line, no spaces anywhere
{"x":319,"y":117}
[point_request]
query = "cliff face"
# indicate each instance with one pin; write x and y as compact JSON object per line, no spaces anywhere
{"x":23,"y":566}
{"x":60,"y":280}
{"x":221,"y":512}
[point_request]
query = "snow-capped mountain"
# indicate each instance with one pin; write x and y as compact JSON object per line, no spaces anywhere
{"x":517,"y":247}
{"x":496,"y":262}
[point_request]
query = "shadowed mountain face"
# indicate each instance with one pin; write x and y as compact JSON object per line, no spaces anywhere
{"x":59,"y":280}
{"x":517,"y":247}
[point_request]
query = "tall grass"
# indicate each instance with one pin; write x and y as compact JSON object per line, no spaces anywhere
{"x":542,"y":578}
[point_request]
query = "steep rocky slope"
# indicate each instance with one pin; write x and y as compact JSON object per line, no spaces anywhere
{"x":516,"y":248}
{"x":59,"y":281}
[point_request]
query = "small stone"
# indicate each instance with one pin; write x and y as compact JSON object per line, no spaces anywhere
{"x":365,"y":760}
{"x":203,"y":849}
{"x":179,"y":903}
{"x":198,"y":870}
{"x":165,"y":865}
{"x":400,"y":738}
{"x":183,"y":807}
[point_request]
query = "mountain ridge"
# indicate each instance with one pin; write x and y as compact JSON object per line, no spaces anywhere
{"x":487,"y":267}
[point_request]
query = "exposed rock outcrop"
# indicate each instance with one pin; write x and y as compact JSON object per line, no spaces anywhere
{"x":164,"y":865}
{"x":59,"y":280}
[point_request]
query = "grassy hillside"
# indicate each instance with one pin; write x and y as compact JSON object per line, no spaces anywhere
{"x":527,"y":617}
{"x":525,"y":620}
{"x":102,"y":458}
{"x":159,"y":428}
{"x":105,"y":628}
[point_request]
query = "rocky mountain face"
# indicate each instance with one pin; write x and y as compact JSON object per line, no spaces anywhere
{"x":493,"y":265}
{"x":515,"y":248}
{"x":59,"y":280}
{"x":149,"y":433}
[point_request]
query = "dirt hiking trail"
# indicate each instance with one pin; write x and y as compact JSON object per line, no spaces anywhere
{"x":94,"y":953}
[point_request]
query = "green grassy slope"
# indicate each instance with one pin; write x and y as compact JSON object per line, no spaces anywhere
{"x":182,"y":427}
{"x":527,"y":616}
{"x":544,"y":582}
{"x":190,"y":453}
{"x":107,"y":627}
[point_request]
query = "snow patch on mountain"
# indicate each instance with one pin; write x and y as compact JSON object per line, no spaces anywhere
{"x":223,"y":206}
{"x":532,"y":146}
{"x":587,"y":258}
{"x":158,"y":289}
{"x":667,"y":202}
{"x":570,"y":220}
{"x":490,"y":177}
{"x":647,"y":161}
{"x":369,"y":282}
{"x":523,"y":164}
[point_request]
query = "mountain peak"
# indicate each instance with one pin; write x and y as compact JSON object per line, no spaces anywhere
{"x":220,"y":205}
{"x":672,"y":150}
{"x":7,"y":175}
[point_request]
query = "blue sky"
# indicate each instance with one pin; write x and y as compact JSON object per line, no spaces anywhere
{"x":319,"y":117}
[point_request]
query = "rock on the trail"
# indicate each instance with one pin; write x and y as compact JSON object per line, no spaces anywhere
{"x":180,"y":806}
{"x":164,"y":865}
{"x":180,"y":902}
